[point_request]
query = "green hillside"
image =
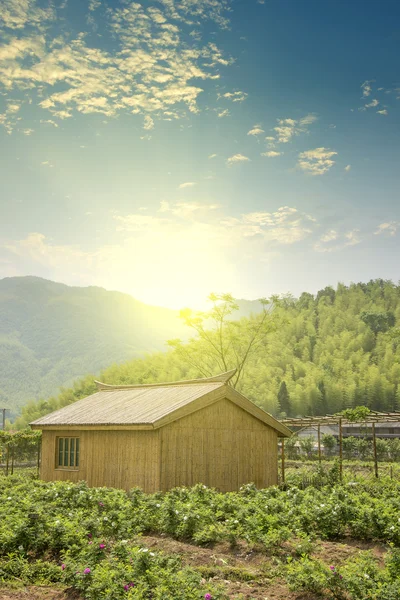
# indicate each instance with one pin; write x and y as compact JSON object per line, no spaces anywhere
{"x":51,"y":334}
{"x":337,"y":349}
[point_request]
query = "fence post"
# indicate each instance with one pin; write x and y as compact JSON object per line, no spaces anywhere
{"x":283,"y":459}
{"x":38,"y":457}
{"x":7,"y":458}
{"x":340,"y":449}
{"x":319,"y":443}
{"x":12,"y":460}
{"x":375,"y":453}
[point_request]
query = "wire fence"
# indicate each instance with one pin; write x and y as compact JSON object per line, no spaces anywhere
{"x":304,"y":473}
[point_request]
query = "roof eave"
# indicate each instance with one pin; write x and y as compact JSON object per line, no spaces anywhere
{"x":258,"y":412}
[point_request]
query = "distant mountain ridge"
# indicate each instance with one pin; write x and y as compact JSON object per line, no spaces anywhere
{"x":51,"y":334}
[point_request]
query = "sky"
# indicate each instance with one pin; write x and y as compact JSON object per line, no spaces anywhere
{"x":173,"y":148}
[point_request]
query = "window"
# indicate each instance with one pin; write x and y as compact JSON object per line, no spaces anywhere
{"x":67,"y":453}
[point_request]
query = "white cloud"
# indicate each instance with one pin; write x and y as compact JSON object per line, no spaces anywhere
{"x":382,"y":112}
{"x":212,"y":156}
{"x":388,"y":228}
{"x":332,"y":241}
{"x":284,"y":226}
{"x":237,"y":158}
{"x":148,"y":123}
{"x":366,"y":88}
{"x":224,"y":113}
{"x":151,"y":252}
{"x":372,"y":104}
{"x":153,"y":70}
{"x":271,"y":153}
{"x":187,"y":184}
{"x":347,"y":168}
{"x":235,"y":96}
{"x":47,"y":163}
{"x":289,"y":128}
{"x":17,"y":14}
{"x":308,"y":120}
{"x":329,"y":236}
{"x":94,"y":5}
{"x":256,"y":130}
{"x":317,"y":161}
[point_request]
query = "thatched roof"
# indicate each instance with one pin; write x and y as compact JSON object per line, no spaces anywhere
{"x":150,"y":406}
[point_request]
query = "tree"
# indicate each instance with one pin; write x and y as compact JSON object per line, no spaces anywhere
{"x":329,"y":443}
{"x":349,"y":447}
{"x":222,"y":344}
{"x":284,"y":400}
{"x":364,"y":448}
{"x":307,"y":445}
{"x":378,"y":322}
{"x":382,"y":449}
{"x":394,"y":449}
{"x":291,"y":446}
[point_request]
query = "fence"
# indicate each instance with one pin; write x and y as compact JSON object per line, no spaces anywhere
{"x":19,"y":447}
{"x":318,"y":473}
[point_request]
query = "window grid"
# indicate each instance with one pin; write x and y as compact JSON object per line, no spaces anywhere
{"x":68,"y":453}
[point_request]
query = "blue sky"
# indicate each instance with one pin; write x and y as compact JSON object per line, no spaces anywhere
{"x":170,"y":148}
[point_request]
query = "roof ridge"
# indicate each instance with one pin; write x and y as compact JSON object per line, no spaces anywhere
{"x":221,"y":378}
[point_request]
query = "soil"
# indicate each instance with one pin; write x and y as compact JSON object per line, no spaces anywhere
{"x":245,"y":571}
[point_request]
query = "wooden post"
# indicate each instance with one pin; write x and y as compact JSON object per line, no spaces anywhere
{"x":12,"y":461}
{"x":38,"y":458}
{"x":283,"y":459}
{"x":7,"y":458}
{"x":340,"y":449}
{"x":319,"y":443}
{"x":375,"y":454}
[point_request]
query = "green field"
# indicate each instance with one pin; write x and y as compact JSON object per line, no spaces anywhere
{"x":60,"y":540}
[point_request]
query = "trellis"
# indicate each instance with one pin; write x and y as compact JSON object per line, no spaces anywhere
{"x":371,"y":418}
{"x":17,"y":442}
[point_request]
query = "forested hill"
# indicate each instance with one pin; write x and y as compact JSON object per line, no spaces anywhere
{"x":51,"y":333}
{"x":334,"y":350}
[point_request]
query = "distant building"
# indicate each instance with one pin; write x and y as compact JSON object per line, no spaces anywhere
{"x":161,"y":436}
{"x":382,"y":430}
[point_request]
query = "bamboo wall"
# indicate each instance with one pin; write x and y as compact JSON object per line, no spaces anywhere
{"x":221,"y":446}
{"x":121,"y":459}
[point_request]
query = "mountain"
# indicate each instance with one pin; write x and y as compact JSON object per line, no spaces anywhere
{"x":51,"y":334}
{"x":334,"y":350}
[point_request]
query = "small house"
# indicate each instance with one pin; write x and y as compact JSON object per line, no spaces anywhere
{"x":159,"y":436}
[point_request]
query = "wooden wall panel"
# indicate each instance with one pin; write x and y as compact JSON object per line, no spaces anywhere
{"x":221,"y":446}
{"x":121,"y":459}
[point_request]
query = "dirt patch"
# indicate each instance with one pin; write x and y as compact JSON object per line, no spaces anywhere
{"x":38,"y":593}
{"x":247,"y":572}
{"x":335,"y":553}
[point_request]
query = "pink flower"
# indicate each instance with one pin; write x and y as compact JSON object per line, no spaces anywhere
{"x":126,"y":587}
{"x":102,"y":546}
{"x":62,"y":567}
{"x":87,"y":571}
{"x":208,"y":597}
{"x":332,"y":568}
{"x":90,"y":542}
